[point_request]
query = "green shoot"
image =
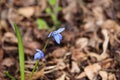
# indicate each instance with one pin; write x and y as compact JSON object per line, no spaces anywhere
{"x":52,"y":2}
{"x":42,"y":24}
{"x":53,"y":12}
{"x":37,"y":62}
{"x":35,"y":66}
{"x":21,"y":52}
{"x":44,"y":48}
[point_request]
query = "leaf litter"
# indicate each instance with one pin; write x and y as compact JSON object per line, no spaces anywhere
{"x":90,"y":49}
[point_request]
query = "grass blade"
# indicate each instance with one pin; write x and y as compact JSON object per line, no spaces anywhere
{"x":21,"y":52}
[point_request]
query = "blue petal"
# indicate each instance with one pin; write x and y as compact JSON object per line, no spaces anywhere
{"x":39,"y":55}
{"x":57,"y":38}
{"x":38,"y":50}
{"x":60,"y":36}
{"x":49,"y":35}
{"x":60,"y":30}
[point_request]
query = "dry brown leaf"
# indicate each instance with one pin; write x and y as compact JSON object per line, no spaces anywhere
{"x":23,"y":2}
{"x":90,"y":24}
{"x":111,"y":26}
{"x":94,"y":41}
{"x":9,"y":37}
{"x":38,"y":11}
{"x":13,"y":16}
{"x":81,"y":75}
{"x":104,"y":75}
{"x":92,"y":54}
{"x":111,"y":76}
{"x":68,"y":13}
{"x":37,"y":75}
{"x":92,"y":70}
{"x":78,"y":55}
{"x":1,"y":54}
{"x":50,"y":69}
{"x":60,"y":64}
{"x":103,"y":3}
{"x":59,"y":52}
{"x":117,"y":37}
{"x":75,"y":67}
{"x":81,"y":42}
{"x":3,"y":25}
{"x":118,"y":15}
{"x":2,"y":75}
{"x":62,"y":77}
{"x":26,"y":11}
{"x":98,"y":13}
{"x":107,"y":63}
{"x":12,"y":40}
{"x":106,"y":37}
{"x":105,"y":44}
{"x":8,"y":62}
{"x":68,"y":38}
{"x":43,"y":4}
{"x":31,"y":46}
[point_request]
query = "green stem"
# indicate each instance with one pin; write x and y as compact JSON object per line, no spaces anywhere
{"x":35,"y":66}
{"x":37,"y":62}
{"x":44,"y":48}
{"x":10,"y":76}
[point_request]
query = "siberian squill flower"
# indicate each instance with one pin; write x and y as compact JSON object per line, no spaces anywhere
{"x":56,"y":35}
{"x":39,"y":55}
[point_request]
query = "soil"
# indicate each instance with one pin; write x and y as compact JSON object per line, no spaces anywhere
{"x":89,"y":50}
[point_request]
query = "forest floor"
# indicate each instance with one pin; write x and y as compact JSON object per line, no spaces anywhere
{"x":89,"y":50}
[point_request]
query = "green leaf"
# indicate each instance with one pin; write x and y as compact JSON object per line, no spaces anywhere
{"x":59,"y":9}
{"x":48,"y":10}
{"x":42,"y":24}
{"x":52,"y":2}
{"x":21,"y":52}
{"x":55,"y":20}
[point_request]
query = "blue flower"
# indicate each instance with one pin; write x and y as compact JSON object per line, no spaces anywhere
{"x":39,"y":55}
{"x":56,"y":35}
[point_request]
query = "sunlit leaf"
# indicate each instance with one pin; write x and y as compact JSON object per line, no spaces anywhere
{"x":48,"y":10}
{"x":21,"y":53}
{"x":42,"y":24}
{"x":59,"y":9}
{"x":52,"y":2}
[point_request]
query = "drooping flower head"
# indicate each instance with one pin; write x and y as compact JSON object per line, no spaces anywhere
{"x":39,"y":55}
{"x":56,"y":35}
